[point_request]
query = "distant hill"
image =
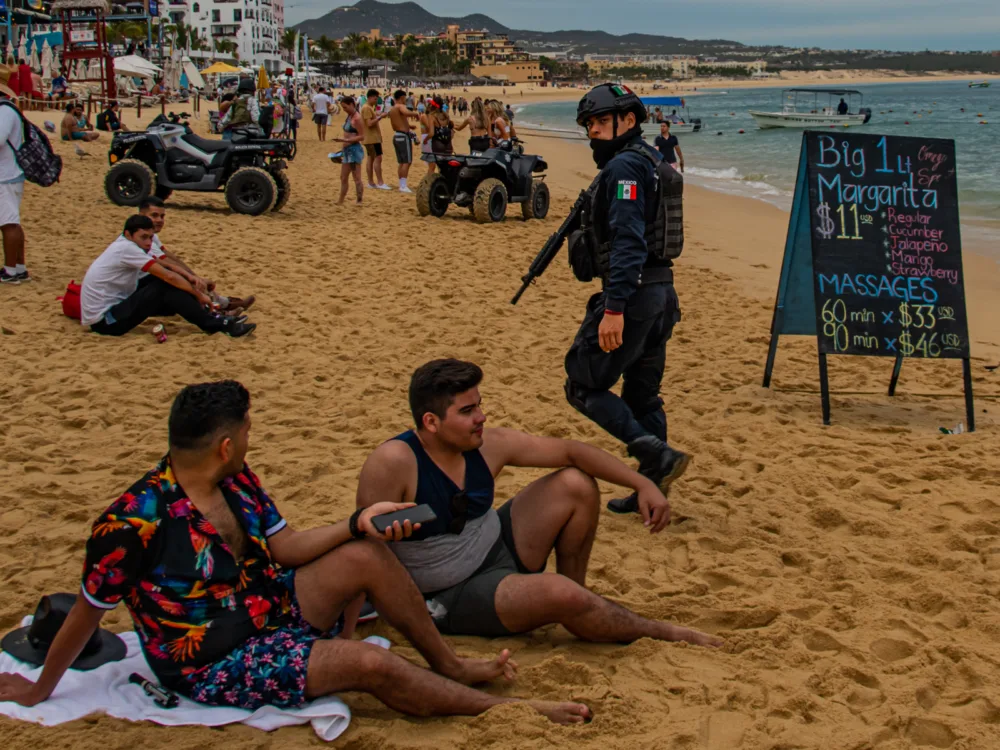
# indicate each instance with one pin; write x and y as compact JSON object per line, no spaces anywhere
{"x":390,"y":19}
{"x":410,"y":18}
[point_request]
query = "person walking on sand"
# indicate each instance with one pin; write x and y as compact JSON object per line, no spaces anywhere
{"x":479,"y":123}
{"x":402,"y":137}
{"x":354,"y":153}
{"x":321,"y":112}
{"x":668,"y":146}
{"x":235,"y":608}
{"x":373,"y":141}
{"x":11,"y":185}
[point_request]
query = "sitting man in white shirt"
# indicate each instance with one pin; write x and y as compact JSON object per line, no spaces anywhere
{"x":154,"y":208}
{"x":113,"y":302}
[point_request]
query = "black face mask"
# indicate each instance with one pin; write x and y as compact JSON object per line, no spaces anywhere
{"x":604,"y":150}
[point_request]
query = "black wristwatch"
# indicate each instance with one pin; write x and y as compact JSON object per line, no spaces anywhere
{"x":352,"y":525}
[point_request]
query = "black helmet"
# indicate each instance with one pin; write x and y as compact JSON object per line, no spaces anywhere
{"x":246,"y":86}
{"x":610,"y":97}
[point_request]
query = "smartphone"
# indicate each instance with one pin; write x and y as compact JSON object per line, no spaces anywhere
{"x":416,"y":514}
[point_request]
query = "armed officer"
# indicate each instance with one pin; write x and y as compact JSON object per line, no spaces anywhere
{"x":630,"y":229}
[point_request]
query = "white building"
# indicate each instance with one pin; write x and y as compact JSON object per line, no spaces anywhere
{"x":256,"y":26}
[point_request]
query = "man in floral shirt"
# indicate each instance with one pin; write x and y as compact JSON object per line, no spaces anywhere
{"x":233,"y":607}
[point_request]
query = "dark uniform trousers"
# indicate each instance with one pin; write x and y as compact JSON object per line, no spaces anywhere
{"x":650,"y":317}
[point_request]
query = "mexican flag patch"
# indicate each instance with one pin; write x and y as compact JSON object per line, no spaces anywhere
{"x":621,"y":90}
{"x":626,"y":190}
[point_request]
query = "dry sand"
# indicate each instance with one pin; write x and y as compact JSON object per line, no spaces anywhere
{"x":852,"y":569}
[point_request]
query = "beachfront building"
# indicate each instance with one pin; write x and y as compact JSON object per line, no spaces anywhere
{"x":678,"y":66}
{"x":513,"y":71}
{"x":255,"y":28}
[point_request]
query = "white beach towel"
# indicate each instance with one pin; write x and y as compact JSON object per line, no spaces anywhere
{"x":107,"y":690}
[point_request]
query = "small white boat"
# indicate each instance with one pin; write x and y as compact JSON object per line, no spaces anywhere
{"x":816,"y":108}
{"x":679,"y":124}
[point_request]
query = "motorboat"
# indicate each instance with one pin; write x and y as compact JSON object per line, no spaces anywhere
{"x":979,"y":84}
{"x":816,"y":108}
{"x":673,"y":109}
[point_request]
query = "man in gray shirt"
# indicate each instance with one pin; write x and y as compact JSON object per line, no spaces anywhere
{"x":483,"y":569}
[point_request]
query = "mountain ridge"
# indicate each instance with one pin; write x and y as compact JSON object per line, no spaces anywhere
{"x":412,"y":18}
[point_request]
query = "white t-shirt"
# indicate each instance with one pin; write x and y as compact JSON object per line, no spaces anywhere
{"x":112,"y":278}
{"x":155,"y":251}
{"x":321,"y":104}
{"x":10,"y":130}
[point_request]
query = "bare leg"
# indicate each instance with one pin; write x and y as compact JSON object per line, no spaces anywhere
{"x":378,"y":171}
{"x":345,"y":173}
{"x":325,"y":587}
{"x":338,"y":665}
{"x":359,"y":187}
{"x":527,"y":602}
{"x":369,"y":170}
{"x":13,"y":244}
{"x":558,"y":511}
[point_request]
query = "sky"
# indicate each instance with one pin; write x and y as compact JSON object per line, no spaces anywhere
{"x":836,"y":24}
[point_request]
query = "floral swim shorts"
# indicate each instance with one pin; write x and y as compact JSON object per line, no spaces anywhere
{"x":266,"y":670}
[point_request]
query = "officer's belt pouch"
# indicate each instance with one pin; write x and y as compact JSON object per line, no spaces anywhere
{"x":581,"y":259}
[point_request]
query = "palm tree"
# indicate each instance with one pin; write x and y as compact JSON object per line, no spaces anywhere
{"x":288,"y":40}
{"x":197,"y":43}
{"x":351,"y":43}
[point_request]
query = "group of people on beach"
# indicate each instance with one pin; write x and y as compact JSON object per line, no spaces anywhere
{"x":489,"y":123}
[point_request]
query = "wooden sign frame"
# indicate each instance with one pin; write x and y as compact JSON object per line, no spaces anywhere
{"x":796,"y":307}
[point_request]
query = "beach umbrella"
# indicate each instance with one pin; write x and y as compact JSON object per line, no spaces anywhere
{"x":22,"y":50}
{"x":46,"y":60}
{"x":219,"y":67}
{"x":81,"y":70}
{"x":263,"y":81}
{"x":10,"y":48}
{"x":94,"y":69}
{"x":33,"y":59}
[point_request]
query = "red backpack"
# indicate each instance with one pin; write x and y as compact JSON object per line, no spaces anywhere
{"x":71,"y":301}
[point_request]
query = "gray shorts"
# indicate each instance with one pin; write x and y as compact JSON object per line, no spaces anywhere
{"x":470,"y":606}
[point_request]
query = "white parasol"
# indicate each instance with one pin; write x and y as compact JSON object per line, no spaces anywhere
{"x":33,"y":59}
{"x":81,"y":70}
{"x":22,"y":50}
{"x":46,"y":61}
{"x":10,"y":49}
{"x":94,"y":69}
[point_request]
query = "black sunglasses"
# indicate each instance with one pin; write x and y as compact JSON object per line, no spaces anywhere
{"x":459,"y":509}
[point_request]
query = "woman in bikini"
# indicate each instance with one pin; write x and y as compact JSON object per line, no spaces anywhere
{"x":478,"y":123}
{"x":440,"y":131}
{"x":354,"y":153}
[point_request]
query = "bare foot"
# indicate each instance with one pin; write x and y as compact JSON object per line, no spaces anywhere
{"x":475,"y":671}
{"x":563,"y":713}
{"x":693,"y":636}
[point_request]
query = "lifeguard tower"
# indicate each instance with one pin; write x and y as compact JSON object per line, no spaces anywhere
{"x":84,"y":38}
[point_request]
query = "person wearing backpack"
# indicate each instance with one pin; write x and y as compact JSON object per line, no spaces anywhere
{"x":628,"y":236}
{"x":11,"y":184}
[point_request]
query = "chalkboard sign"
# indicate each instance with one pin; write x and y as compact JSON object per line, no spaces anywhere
{"x":873,"y":259}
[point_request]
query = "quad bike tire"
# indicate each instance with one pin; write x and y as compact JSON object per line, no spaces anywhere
{"x":490,"y":201}
{"x":284,"y":188}
{"x":251,"y":191}
{"x":163,"y":192}
{"x":433,"y":196}
{"x":129,"y":182}
{"x":537,"y":205}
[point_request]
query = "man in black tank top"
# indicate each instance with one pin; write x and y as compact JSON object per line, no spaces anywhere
{"x":482,"y":570}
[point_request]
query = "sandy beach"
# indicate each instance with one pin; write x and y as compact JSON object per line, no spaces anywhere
{"x":851,"y":569}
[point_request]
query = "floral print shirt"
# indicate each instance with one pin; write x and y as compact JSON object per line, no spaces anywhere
{"x":191,"y":601}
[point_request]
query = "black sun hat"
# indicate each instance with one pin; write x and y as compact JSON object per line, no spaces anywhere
{"x":31,"y":643}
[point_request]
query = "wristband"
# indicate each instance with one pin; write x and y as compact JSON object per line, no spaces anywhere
{"x":614,"y":312}
{"x":352,"y":525}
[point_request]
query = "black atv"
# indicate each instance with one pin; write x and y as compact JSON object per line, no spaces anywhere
{"x":168,"y":156}
{"x":485,"y":183}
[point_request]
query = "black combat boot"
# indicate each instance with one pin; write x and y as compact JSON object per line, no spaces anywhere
{"x":657,"y":461}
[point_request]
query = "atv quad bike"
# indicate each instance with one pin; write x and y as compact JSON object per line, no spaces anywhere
{"x":168,"y":156}
{"x":485,"y":183}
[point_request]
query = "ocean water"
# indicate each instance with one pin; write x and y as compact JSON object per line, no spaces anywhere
{"x":762,"y":163}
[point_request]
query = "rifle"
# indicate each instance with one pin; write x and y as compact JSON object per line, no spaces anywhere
{"x":552,"y":246}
